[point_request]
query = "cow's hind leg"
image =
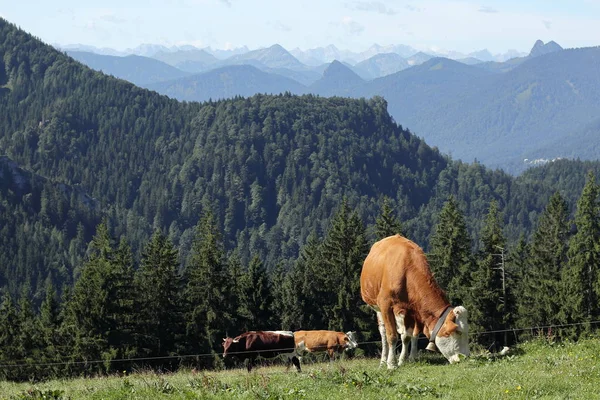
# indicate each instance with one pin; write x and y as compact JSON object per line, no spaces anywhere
{"x":389,"y":322}
{"x":413,"y":347}
{"x":384,"y":343}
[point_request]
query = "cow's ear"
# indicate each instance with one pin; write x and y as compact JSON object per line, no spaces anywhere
{"x":448,"y":329}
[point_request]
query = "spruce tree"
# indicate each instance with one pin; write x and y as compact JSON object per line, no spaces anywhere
{"x":277,"y":290}
{"x":207,"y":312}
{"x":49,"y":322}
{"x":256,"y":297}
{"x":29,"y":343}
{"x":343,"y":253}
{"x":98,"y":312}
{"x":9,"y":333}
{"x":450,"y":258}
{"x":487,"y":301}
{"x":581,"y":279}
{"x":539,"y":300}
{"x":387,"y":224}
{"x":158,"y":304}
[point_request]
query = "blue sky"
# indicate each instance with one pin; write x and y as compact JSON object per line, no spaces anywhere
{"x":461,"y":25}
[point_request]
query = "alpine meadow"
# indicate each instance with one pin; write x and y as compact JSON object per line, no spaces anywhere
{"x":138,"y":231}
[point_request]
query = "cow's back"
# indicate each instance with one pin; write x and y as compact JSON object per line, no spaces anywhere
{"x":318,"y":340}
{"x":265,"y":340}
{"x":397,"y":269}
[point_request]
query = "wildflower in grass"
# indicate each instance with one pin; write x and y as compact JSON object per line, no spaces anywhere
{"x":519,"y":387}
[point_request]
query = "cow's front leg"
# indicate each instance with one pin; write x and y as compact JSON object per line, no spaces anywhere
{"x":384,"y":343}
{"x":296,"y":363}
{"x":405,"y":342}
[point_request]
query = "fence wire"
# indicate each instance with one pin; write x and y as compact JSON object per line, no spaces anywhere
{"x":24,"y":363}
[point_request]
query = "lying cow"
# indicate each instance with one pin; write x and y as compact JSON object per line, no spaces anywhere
{"x":267,"y":344}
{"x":328,"y":341}
{"x":397,"y":283}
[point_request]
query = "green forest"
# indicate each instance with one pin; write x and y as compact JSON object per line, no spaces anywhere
{"x":133,"y":226}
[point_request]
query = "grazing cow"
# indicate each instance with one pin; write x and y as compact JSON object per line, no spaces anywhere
{"x":328,"y":341}
{"x":267,"y":344}
{"x":397,"y":283}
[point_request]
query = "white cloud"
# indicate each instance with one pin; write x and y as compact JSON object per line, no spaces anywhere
{"x":487,"y":9}
{"x":280,"y":26}
{"x":351,"y":26}
{"x":547,"y":24}
{"x":112,"y":19}
{"x":373,"y":6}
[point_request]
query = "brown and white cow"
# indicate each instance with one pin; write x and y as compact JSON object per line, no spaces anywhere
{"x":267,"y":344}
{"x":328,"y":341}
{"x":397,"y":283}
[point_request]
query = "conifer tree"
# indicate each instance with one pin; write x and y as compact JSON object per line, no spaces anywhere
{"x":539,"y":300}
{"x":387,"y":224}
{"x":300,"y":305}
{"x":97,"y":312}
{"x":304,"y":288}
{"x":205,"y":294}
{"x":277,"y":290}
{"x":343,"y":253}
{"x":121,"y":308}
{"x":581,"y":277}
{"x":450,"y":258}
{"x":518,"y":259}
{"x":28,"y":339}
{"x":9,"y":334}
{"x":235,"y":273}
{"x":158,"y":304}
{"x":487,"y":299}
{"x":49,"y":322}
{"x":256,"y":298}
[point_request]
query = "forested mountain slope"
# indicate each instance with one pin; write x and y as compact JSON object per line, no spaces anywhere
{"x":272,"y":168}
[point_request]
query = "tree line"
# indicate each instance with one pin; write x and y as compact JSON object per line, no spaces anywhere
{"x":121,"y":313}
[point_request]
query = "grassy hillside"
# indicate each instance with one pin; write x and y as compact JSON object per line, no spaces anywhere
{"x":537,"y":370}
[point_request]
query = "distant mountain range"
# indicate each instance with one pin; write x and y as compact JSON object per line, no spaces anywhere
{"x":136,"y":69}
{"x":497,"y":112}
{"x":227,"y":82}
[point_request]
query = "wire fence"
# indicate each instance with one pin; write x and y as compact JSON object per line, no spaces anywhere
{"x":26,"y":363}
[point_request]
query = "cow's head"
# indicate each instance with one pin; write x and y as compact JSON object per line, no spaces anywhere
{"x":230,"y":345}
{"x":453,"y":338}
{"x":350,"y":338}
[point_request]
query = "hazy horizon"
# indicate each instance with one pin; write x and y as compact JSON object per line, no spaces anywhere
{"x":463,"y":26}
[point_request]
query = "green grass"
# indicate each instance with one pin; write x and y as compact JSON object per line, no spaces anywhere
{"x":534,"y":370}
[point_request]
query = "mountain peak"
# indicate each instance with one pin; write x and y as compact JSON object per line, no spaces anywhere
{"x":539,"y":48}
{"x":337,"y":68}
{"x":277,"y":47}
